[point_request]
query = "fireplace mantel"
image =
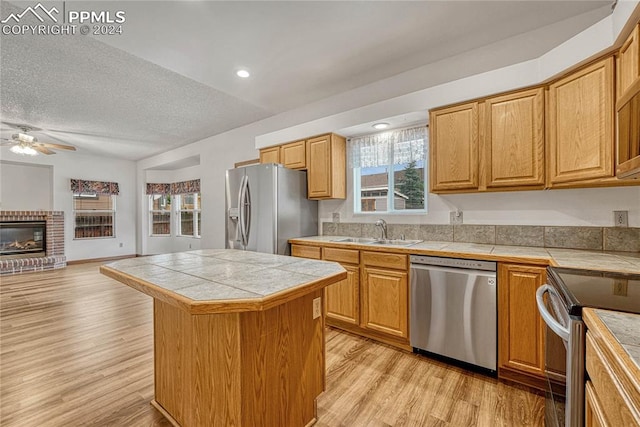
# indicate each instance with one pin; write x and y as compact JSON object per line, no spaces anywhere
{"x":54,"y":252}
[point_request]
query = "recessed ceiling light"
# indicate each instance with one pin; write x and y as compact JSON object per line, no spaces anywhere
{"x":243,"y":73}
{"x":381,"y":125}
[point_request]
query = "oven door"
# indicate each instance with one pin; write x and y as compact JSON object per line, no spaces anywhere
{"x":564,"y":360}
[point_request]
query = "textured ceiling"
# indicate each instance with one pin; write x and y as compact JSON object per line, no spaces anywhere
{"x":169,"y":79}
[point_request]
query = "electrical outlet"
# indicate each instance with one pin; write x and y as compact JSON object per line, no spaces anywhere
{"x":455,"y":217}
{"x":621,"y":218}
{"x":336,"y":217}
{"x":121,"y":244}
{"x":620,"y":287}
{"x":317,"y":308}
{"x":189,"y":245}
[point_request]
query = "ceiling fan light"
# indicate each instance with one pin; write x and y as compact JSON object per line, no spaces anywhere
{"x":26,"y":138}
{"x":23,"y":150}
{"x":380,"y":125}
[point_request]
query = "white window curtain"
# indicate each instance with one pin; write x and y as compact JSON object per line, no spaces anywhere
{"x":405,"y":145}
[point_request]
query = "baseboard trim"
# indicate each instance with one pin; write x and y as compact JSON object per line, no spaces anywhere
{"x":111,"y":258}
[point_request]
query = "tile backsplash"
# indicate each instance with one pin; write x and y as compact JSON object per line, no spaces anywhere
{"x":592,"y":238}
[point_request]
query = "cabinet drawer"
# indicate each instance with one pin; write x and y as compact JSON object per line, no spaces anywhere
{"x":612,"y":397}
{"x":349,"y":256}
{"x":383,"y":259}
{"x":305,"y":251}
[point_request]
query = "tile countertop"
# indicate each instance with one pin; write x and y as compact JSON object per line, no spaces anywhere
{"x":624,"y":262}
{"x":224,"y":280}
{"x":624,"y":327}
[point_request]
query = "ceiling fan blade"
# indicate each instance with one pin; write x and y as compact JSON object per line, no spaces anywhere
{"x":43,"y":150}
{"x":57,"y":146}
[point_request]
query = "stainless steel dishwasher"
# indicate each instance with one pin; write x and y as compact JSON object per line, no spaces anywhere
{"x":453,"y":309}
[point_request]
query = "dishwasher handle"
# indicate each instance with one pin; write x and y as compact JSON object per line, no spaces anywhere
{"x":548,"y":318}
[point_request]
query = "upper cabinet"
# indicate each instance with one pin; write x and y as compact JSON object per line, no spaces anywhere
{"x":294,"y":155}
{"x":327,"y":167}
{"x":514,"y":139}
{"x":580,"y":125}
{"x":323,"y":157}
{"x":628,"y":107}
{"x":628,"y":62}
{"x":454,"y":148}
{"x":270,"y":155}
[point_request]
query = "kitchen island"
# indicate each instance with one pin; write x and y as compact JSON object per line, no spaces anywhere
{"x":238,"y":336}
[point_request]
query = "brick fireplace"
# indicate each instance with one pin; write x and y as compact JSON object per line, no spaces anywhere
{"x":53,"y":256}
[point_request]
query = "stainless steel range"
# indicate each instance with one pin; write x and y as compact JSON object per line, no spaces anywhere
{"x":560,"y":304}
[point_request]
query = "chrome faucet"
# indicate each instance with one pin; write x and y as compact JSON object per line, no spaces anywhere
{"x":383,"y":225}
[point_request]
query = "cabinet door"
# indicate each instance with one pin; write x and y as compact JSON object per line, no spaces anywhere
{"x":454,"y":148}
{"x":628,"y":163}
{"x":514,"y":139}
{"x":593,"y":414}
{"x":385,"y":301}
{"x":581,"y":125}
{"x":326,"y":167}
{"x":520,"y":327}
{"x":293,"y":155}
{"x":342,"y":298}
{"x":628,"y":62}
{"x":319,"y":167}
{"x":270,"y":155}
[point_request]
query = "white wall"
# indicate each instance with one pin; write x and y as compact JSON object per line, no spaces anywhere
{"x":25,"y":187}
{"x":76,"y":165}
{"x":173,"y":243}
{"x":417,"y":90}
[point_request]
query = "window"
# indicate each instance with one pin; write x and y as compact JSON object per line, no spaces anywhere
{"x":389,"y":171}
{"x":160,"y":214}
{"x":94,"y":215}
{"x":189,"y":215}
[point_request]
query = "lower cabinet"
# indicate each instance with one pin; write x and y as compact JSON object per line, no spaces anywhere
{"x":593,"y":413}
{"x":373,"y":300}
{"x":520,"y":327}
{"x":384,"y":301}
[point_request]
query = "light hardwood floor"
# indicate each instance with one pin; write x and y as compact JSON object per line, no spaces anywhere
{"x":76,"y":349}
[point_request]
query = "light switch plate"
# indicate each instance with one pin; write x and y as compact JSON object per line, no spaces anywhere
{"x":317,"y":308}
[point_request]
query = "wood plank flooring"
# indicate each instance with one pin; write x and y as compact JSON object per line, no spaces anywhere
{"x":76,"y":349}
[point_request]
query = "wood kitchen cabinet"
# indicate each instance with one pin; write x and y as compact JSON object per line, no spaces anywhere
{"x":514,"y":139}
{"x":373,"y":300}
{"x":385,"y":293}
{"x":342,"y":299}
{"x":520,"y":327}
{"x":294,"y":155}
{"x":612,"y":387}
{"x":270,"y":155}
{"x":628,"y":62}
{"x":580,"y":125}
{"x":628,"y":144}
{"x":326,"y":167}
{"x":454,"y":142}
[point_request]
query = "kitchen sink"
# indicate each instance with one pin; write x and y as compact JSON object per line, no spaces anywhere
{"x":395,"y":242}
{"x":364,"y":240}
{"x":371,"y":241}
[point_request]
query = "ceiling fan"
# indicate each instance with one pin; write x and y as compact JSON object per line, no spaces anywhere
{"x":23,"y":143}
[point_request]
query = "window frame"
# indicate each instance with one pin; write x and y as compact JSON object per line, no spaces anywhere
{"x":159,"y":211}
{"x":196,"y":212}
{"x":111,"y":211}
{"x":357,"y":190}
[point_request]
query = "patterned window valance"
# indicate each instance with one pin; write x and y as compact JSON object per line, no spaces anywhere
{"x":94,"y":187}
{"x":185,"y":187}
{"x":161,"y":189}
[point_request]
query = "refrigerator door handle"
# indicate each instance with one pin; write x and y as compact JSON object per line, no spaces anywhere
{"x":241,"y":219}
{"x":247,"y":206}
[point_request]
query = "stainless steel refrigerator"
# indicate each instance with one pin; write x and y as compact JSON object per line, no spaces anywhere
{"x":266,"y":205}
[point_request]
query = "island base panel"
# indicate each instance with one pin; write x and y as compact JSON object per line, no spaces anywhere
{"x":257,"y":368}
